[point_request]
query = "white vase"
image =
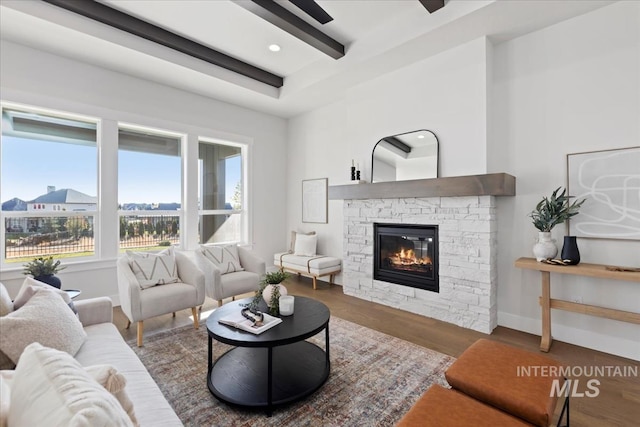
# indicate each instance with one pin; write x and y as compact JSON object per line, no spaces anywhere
{"x":546,"y":247}
{"x":268,"y":291}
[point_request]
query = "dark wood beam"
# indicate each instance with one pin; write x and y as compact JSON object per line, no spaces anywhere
{"x":313,"y":9}
{"x":432,"y":5}
{"x":398,"y":144}
{"x":120,"y":20}
{"x":272,"y":12}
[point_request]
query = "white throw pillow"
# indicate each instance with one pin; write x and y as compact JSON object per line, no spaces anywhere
{"x":114,"y":382}
{"x":6,"y":305}
{"x":30,"y":286}
{"x":46,"y":319}
{"x":50,"y":388}
{"x":226,"y":258}
{"x":154,"y":268}
{"x":294,"y":234}
{"x":305,"y":245}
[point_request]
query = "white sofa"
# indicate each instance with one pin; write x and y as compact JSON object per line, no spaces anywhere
{"x":105,"y":345}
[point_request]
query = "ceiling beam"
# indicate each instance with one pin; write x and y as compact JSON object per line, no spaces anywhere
{"x":122,"y":21}
{"x":398,"y":144}
{"x":277,"y":15}
{"x":432,"y":5}
{"x":313,"y":9}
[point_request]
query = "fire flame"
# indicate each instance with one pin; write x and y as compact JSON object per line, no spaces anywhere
{"x":408,"y":257}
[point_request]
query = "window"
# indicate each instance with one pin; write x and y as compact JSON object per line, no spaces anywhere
{"x":221,"y":193}
{"x":48,"y":185}
{"x":149,"y":188}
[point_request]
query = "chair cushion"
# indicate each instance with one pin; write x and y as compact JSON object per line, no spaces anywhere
{"x":153,"y":269}
{"x":46,"y":319}
{"x":488,"y":371}
{"x":239,"y":283}
{"x":51,"y":388}
{"x":441,"y":407}
{"x":225,"y":257}
{"x":318,"y":262}
{"x":164,"y":299}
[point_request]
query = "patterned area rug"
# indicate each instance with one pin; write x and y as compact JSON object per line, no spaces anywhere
{"x":374,"y":380}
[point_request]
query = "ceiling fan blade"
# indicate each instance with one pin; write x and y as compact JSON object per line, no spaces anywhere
{"x":313,"y":9}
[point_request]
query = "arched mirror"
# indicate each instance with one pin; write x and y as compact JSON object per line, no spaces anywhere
{"x":411,"y":155}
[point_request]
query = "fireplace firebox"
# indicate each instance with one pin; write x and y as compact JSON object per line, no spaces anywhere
{"x":406,"y":255}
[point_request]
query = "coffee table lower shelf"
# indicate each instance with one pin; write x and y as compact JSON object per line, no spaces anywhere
{"x":241,"y":375}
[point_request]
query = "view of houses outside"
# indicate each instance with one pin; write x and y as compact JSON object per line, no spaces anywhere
{"x":32,"y":227}
{"x":49,"y":182}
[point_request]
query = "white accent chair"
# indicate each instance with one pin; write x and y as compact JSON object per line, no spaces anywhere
{"x":140,"y":304}
{"x":220,"y":286}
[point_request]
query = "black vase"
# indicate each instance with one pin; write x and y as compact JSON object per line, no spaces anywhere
{"x":570,"y":253}
{"x":50,"y":279}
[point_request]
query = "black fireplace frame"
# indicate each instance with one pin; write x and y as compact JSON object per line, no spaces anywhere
{"x":399,"y":277}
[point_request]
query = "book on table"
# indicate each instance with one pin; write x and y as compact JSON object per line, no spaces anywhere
{"x":237,"y":320}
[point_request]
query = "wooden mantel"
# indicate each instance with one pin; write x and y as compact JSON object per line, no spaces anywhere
{"x":494,"y":184}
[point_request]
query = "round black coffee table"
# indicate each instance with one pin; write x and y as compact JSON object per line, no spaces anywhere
{"x":274,"y":368}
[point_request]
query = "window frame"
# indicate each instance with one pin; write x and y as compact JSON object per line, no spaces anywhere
{"x":245,"y":211}
{"x":96,"y":214}
{"x":182,"y":137}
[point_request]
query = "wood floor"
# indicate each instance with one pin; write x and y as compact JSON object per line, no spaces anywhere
{"x":618,"y":402}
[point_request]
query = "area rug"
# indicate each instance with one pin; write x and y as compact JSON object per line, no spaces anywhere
{"x":374,"y":380}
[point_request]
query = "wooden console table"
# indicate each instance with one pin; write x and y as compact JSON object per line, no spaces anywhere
{"x":589,"y":270}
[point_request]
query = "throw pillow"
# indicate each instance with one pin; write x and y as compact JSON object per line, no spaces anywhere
{"x":226,"y":258}
{"x":292,"y":245}
{"x":51,"y":388}
{"x":46,"y":319}
{"x":154,"y":268}
{"x":114,"y":382}
{"x":306,"y":245}
{"x":6,"y":305}
{"x":30,"y":286}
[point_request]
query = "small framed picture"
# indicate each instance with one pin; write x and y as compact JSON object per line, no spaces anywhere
{"x":314,"y":200}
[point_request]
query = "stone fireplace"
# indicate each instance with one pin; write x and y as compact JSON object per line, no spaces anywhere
{"x":463,"y":210}
{"x":467,"y":270}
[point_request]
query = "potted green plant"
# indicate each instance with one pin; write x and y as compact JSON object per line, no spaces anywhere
{"x":270,"y":291}
{"x":549,"y":212}
{"x":43,"y":269}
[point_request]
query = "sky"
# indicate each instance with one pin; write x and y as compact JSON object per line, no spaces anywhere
{"x":29,"y":166}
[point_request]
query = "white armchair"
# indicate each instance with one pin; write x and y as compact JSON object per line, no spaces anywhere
{"x":220,"y":286}
{"x":140,"y":304}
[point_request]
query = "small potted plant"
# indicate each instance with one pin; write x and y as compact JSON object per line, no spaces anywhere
{"x":270,"y":291}
{"x":549,"y":212}
{"x":43,"y":270}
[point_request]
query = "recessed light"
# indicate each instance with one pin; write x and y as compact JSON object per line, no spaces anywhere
{"x":274,"y":48}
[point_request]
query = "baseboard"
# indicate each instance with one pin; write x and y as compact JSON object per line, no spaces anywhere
{"x":595,"y":341}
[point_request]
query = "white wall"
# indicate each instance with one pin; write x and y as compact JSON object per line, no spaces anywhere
{"x":437,"y":94}
{"x":569,"y":88}
{"x":519,"y":108}
{"x":41,"y":79}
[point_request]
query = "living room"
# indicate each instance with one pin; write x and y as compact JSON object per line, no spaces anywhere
{"x":513,"y":105}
